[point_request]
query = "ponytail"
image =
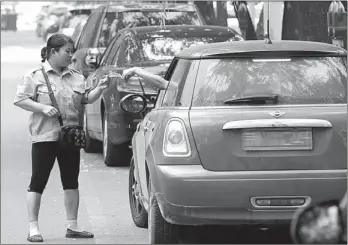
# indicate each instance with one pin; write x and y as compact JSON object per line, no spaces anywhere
{"x":43,"y":54}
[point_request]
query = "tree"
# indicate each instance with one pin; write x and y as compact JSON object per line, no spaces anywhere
{"x":245,"y":23}
{"x":306,"y":20}
{"x":207,"y":10}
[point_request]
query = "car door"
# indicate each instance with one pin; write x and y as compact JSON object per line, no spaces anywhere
{"x":86,"y":42}
{"x":107,"y":66}
{"x":143,"y":134}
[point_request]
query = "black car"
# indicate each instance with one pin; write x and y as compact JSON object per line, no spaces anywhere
{"x":151,"y":48}
{"x":105,"y":21}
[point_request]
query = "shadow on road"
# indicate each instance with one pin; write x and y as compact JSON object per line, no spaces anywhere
{"x":235,"y":235}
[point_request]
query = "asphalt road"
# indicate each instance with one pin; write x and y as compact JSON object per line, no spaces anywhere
{"x":104,"y":208}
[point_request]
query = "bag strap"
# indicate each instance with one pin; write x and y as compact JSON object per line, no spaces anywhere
{"x":51,"y":94}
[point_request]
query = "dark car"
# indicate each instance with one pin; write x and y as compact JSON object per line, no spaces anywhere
{"x":50,"y":24}
{"x":151,"y":48}
{"x":104,"y":23}
{"x":245,"y":134}
{"x":71,"y":20}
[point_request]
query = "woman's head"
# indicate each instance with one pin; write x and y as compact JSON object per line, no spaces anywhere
{"x":59,"y":50}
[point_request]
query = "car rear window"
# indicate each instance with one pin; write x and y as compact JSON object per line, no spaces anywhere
{"x":161,"y":47}
{"x":300,"y":80}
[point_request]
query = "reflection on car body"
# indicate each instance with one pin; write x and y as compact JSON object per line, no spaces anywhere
{"x":151,"y":48}
{"x":200,"y":161}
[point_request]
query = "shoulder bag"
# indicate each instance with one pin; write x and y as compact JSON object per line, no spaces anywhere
{"x":70,"y":136}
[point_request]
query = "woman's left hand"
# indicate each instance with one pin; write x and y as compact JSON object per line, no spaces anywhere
{"x":103,"y":83}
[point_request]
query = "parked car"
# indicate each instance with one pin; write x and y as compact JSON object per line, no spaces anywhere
{"x":40,"y":18}
{"x":104,"y":23}
{"x":152,"y":48}
{"x":69,"y":21}
{"x":8,"y":17}
{"x":248,"y":133}
{"x":50,"y":24}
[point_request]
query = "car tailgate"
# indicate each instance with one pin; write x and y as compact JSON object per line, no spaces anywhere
{"x":254,"y":139}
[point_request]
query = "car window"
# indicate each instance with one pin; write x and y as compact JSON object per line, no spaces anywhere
{"x":175,"y":83}
{"x":107,"y":54}
{"x":132,"y":53}
{"x":88,"y":33}
{"x":297,"y":80}
{"x":164,"y":45}
{"x":106,"y":33}
{"x":116,"y":21}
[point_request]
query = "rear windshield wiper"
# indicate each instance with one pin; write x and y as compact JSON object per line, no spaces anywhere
{"x":254,"y":99}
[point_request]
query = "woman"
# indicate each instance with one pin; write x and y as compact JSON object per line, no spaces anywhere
{"x":32,"y":95}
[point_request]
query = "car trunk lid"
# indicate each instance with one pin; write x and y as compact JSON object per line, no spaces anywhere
{"x":259,"y":138}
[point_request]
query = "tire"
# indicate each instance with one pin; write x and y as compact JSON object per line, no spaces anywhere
{"x":114,"y":155}
{"x":92,"y":145}
{"x":138,"y":212}
{"x":160,"y":231}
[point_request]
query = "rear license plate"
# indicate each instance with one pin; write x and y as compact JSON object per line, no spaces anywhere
{"x":277,"y":139}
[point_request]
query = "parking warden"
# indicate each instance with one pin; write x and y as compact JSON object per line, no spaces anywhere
{"x":32,"y":95}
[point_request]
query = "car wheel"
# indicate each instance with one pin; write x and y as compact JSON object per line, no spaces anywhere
{"x":92,"y":145}
{"x":160,"y":231}
{"x":138,"y":212}
{"x":114,"y":155}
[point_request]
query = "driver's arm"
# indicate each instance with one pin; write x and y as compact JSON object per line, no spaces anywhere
{"x":149,"y":77}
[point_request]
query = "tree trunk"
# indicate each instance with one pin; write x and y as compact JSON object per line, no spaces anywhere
{"x":305,"y":20}
{"x":246,"y":25}
{"x":221,"y":13}
{"x":207,"y":10}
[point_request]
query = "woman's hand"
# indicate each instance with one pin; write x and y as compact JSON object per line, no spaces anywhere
{"x":103,"y":83}
{"x":49,"y":111}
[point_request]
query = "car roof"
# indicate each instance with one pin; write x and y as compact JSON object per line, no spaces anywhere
{"x":250,"y":48}
{"x":83,"y":7}
{"x":149,"y":6}
{"x":184,"y":30}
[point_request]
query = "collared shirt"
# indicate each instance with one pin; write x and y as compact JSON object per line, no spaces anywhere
{"x":70,"y":92}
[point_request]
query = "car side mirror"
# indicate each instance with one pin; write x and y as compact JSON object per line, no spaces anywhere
{"x":133,"y":103}
{"x":93,"y":57}
{"x":321,"y":223}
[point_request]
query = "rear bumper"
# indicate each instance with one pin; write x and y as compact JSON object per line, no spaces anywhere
{"x":191,"y":195}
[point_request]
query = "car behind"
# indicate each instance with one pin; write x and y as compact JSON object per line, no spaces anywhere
{"x":151,"y":48}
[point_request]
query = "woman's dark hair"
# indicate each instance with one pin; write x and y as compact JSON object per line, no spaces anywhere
{"x":55,"y":42}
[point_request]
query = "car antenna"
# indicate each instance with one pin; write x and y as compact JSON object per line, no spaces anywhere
{"x":267,"y":37}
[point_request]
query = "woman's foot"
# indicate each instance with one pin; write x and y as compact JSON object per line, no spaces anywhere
{"x":78,"y":234}
{"x":34,"y":232}
{"x":35,"y":238}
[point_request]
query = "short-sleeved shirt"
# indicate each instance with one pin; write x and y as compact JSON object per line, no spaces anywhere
{"x":70,"y":92}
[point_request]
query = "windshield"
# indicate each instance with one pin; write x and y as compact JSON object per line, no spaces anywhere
{"x":302,"y":80}
{"x":133,"y":19}
{"x":73,"y":21}
{"x":159,"y":47}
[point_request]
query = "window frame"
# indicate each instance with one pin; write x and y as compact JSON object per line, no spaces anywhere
{"x":182,"y":78}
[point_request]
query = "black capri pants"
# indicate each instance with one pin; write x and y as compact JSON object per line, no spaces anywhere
{"x":44,"y":154}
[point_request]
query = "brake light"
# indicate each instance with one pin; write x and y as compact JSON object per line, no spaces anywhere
{"x":175,"y":142}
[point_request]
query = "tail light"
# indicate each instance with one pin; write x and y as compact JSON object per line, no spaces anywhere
{"x":176,"y":142}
